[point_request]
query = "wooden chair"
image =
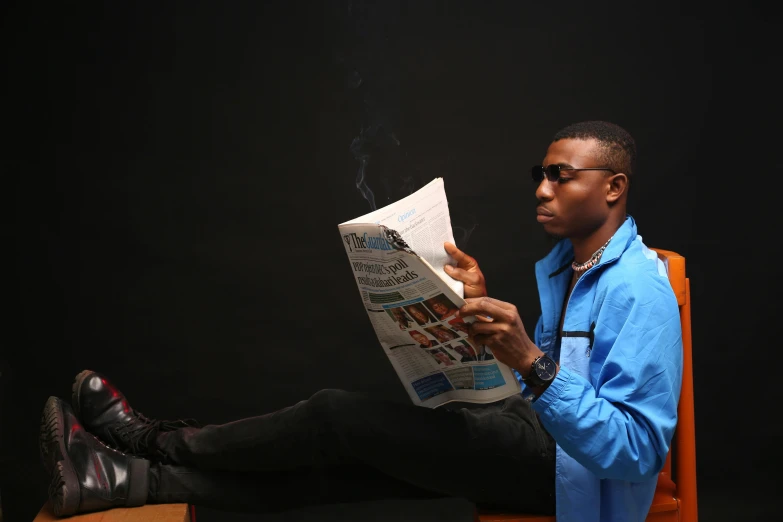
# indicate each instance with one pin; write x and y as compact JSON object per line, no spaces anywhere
{"x":675,"y":496}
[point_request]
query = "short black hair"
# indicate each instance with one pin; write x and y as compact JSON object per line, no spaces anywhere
{"x":617,"y":146}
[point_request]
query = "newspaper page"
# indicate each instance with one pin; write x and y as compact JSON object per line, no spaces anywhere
{"x":412,"y":302}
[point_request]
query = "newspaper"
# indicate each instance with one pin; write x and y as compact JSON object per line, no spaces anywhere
{"x":397,"y":256}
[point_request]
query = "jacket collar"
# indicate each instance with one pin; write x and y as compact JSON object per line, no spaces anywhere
{"x":561,"y":256}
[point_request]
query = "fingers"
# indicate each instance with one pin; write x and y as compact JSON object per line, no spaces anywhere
{"x":481,"y":339}
{"x":463,"y":260}
{"x":486,"y":330}
{"x":467,"y":271}
{"x":487,"y":306}
{"x":495,"y":334}
{"x":469,"y":278}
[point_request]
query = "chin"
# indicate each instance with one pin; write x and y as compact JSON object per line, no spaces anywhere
{"x":554,"y":232}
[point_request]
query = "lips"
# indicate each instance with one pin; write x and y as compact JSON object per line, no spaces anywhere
{"x":543,"y":214}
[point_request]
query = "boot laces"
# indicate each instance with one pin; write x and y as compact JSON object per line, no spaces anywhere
{"x":140,"y":433}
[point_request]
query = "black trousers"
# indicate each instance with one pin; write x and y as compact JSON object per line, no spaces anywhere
{"x":341,"y":446}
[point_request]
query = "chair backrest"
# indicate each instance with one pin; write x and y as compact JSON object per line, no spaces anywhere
{"x":684,"y":483}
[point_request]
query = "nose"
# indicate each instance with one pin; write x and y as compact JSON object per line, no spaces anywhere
{"x":544,"y":191}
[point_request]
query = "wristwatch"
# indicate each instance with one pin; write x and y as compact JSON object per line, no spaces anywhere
{"x":542,"y":372}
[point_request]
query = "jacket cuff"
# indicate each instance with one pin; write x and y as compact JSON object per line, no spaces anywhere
{"x":553,"y":391}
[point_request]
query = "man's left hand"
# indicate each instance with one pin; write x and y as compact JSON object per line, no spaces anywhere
{"x":467,"y":271}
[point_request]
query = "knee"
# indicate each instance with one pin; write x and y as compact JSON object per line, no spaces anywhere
{"x":330,"y":406}
{"x":329,"y":399}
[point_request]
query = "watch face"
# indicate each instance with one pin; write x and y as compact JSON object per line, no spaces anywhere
{"x":546,"y":369}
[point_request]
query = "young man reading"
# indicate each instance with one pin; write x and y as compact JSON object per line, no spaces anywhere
{"x":585,"y":439}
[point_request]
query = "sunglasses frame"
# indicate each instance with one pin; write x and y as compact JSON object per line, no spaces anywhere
{"x":552,"y":172}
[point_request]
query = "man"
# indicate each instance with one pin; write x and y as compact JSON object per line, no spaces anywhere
{"x":419,"y":313}
{"x":423,"y":340}
{"x":465,"y":350}
{"x":399,"y":316}
{"x":484,"y":354}
{"x":442,"y":306}
{"x":442,"y":357}
{"x":458,"y":324}
{"x":441,"y":333}
{"x":586,"y":438}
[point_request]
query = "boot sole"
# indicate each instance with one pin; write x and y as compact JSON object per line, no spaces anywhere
{"x":64,"y":490}
{"x":76,"y":388}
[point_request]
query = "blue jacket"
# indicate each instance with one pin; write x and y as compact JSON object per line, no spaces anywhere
{"x":612,"y":407}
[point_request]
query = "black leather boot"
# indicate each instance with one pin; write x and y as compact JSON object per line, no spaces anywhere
{"x":85,"y":474}
{"x":105,"y":412}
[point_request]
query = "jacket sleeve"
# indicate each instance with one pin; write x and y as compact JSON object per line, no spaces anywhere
{"x":619,"y":422}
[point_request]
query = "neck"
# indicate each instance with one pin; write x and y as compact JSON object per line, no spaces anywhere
{"x":586,"y":246}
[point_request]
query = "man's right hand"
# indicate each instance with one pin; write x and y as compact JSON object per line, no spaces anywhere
{"x":467,"y":271}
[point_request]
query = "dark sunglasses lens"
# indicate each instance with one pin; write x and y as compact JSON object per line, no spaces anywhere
{"x":552,"y":173}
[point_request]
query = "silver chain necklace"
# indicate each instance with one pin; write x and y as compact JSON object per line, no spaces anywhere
{"x":581,"y":267}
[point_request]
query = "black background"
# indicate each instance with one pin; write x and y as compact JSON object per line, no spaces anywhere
{"x":175,"y":173}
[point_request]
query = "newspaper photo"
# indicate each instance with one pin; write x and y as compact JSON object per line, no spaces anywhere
{"x":397,"y":257}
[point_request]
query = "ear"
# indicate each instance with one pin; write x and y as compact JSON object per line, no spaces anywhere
{"x":617,"y":186}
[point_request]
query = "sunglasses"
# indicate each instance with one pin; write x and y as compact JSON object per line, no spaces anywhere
{"x":552,"y":172}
